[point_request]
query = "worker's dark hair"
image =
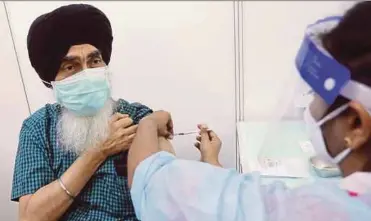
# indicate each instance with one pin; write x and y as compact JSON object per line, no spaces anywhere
{"x":350,"y":44}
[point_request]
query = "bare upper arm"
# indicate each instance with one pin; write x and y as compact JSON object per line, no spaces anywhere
{"x":22,"y":206}
{"x":165,"y":145}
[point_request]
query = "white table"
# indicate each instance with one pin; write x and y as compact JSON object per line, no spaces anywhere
{"x":280,"y":140}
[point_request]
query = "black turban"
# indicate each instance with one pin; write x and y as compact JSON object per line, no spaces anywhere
{"x":52,"y":34}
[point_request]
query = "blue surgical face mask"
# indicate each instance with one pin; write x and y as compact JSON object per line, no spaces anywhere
{"x":84,"y":93}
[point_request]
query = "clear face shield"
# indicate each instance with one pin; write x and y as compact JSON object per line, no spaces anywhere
{"x":293,"y":136}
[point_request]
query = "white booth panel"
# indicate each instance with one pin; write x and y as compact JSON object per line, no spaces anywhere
{"x":177,"y":56}
{"x":12,"y":113}
{"x":272,"y":34}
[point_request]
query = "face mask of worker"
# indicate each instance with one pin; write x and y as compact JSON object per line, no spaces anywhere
{"x":84,"y":93}
{"x":316,"y":136}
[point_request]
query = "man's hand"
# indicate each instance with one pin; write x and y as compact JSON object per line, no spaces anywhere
{"x":121,"y":135}
{"x":164,"y":123}
{"x":38,"y":205}
{"x":209,"y":145}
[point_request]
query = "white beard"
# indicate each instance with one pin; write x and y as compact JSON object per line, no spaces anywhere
{"x":77,"y":134}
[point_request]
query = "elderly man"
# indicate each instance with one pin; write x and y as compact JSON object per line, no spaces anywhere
{"x":71,"y":159}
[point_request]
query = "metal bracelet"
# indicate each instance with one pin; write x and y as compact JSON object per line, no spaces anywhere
{"x":65,"y":189}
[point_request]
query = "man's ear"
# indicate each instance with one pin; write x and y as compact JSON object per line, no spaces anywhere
{"x":359,"y":124}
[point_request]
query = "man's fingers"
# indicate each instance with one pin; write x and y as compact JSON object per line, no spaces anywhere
{"x":124,"y":122}
{"x":130,"y":130}
{"x":198,"y":138}
{"x":131,"y":137}
{"x":127,"y":141}
{"x":117,"y":116}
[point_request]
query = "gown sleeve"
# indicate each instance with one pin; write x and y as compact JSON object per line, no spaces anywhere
{"x":166,"y":188}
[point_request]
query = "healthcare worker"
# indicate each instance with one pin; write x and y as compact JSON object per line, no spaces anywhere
{"x":335,"y":61}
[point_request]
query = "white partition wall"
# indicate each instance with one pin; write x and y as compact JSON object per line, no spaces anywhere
{"x":12,"y":112}
{"x":188,"y":57}
{"x":176,"y":56}
{"x":272,"y":34}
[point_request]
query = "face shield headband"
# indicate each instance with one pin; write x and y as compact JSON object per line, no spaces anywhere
{"x":327,"y":77}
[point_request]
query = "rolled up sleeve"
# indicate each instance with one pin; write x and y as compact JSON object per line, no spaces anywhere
{"x":165,"y":188}
{"x":137,"y":111}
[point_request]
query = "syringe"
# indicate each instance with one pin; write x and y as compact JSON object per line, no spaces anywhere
{"x":188,"y":133}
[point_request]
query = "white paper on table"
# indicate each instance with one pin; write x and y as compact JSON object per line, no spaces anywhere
{"x":288,"y":167}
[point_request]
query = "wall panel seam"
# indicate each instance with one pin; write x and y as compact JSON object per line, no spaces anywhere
{"x":17,"y":56}
{"x":238,"y":71}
